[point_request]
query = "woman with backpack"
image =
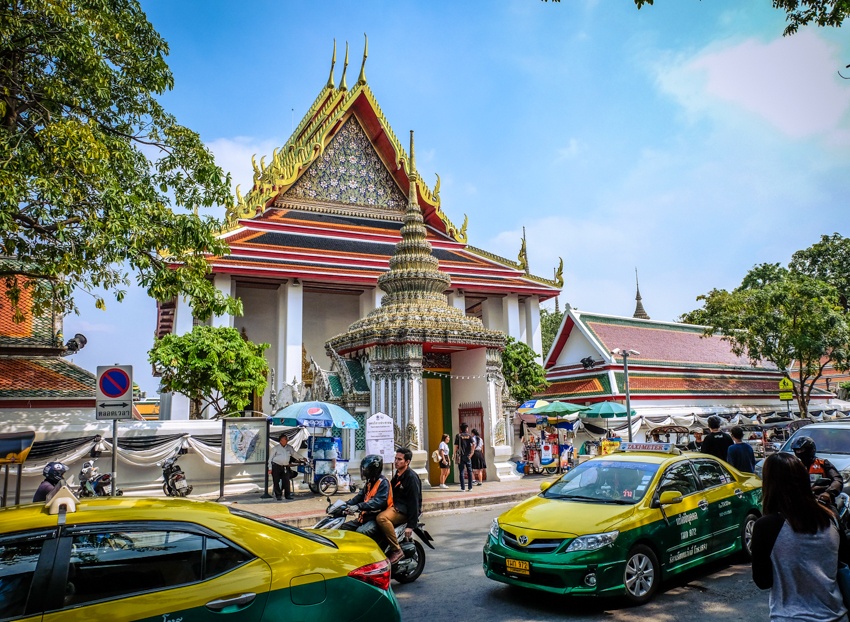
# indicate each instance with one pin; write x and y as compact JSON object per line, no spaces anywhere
{"x":478,"y":463}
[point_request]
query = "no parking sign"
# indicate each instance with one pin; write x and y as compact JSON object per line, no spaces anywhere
{"x":114,"y":393}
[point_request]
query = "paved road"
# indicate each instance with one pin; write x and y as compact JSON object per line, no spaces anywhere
{"x":454,"y":587}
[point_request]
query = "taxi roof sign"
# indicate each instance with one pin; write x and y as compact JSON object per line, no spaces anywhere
{"x":664,"y":448}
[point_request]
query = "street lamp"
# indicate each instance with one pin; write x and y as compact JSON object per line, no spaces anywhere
{"x":626,"y":354}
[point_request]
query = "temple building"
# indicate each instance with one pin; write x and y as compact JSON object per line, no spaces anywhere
{"x":346,"y":263}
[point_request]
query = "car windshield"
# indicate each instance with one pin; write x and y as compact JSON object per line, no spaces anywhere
{"x":604,"y":481}
{"x":828,"y":440}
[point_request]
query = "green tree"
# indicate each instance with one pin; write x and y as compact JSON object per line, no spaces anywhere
{"x":91,"y":162}
{"x":524,"y":375}
{"x":782,"y":316}
{"x":214,"y":366}
{"x":550,"y":322}
{"x":828,"y":260}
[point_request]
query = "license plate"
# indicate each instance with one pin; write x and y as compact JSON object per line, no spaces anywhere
{"x":181,"y":483}
{"x":517,"y":566}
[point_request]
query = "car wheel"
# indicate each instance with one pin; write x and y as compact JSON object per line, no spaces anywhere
{"x":642,"y":574}
{"x":328,"y":485}
{"x":166,"y":490}
{"x":419,"y":558}
{"x":747,"y":537}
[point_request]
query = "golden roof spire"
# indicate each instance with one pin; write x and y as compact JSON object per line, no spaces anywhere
{"x":342,"y":85}
{"x":413,"y":174}
{"x":362,"y":78}
{"x":333,"y":62}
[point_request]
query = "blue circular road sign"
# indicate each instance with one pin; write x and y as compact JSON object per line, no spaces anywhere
{"x":114,"y":382}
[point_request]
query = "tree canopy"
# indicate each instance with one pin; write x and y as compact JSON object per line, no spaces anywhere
{"x":213,"y":366}
{"x":524,"y":375}
{"x":550,"y":322}
{"x":92,"y":164}
{"x":794,"y":317}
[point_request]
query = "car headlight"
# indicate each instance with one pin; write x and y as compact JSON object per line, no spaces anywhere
{"x":592,"y":542}
{"x":494,"y":528}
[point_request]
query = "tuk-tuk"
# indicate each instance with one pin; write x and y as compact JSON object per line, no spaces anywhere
{"x":679,"y":435}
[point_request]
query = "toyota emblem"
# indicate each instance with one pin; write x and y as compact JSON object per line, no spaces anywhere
{"x":523,"y":540}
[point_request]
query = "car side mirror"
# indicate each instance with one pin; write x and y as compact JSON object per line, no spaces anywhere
{"x":669,"y":497}
{"x":544,"y":486}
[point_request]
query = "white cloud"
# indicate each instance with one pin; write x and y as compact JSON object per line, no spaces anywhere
{"x":571,"y":151}
{"x":234,"y":156}
{"x":790,"y":82}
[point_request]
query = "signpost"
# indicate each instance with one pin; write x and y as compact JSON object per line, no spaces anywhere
{"x":786,"y":392}
{"x":114,"y":400}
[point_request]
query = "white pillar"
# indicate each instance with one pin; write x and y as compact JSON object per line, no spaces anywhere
{"x":510,"y":316}
{"x":457,"y":299}
{"x":491,"y":314}
{"x":183,"y":323}
{"x":226,"y":285}
{"x":370,"y":300}
{"x":290,"y":325}
{"x":533,"y":331}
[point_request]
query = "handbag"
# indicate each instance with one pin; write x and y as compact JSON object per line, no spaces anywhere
{"x":843,"y":578}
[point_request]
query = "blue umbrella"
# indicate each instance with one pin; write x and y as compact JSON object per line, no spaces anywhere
{"x":315,"y":415}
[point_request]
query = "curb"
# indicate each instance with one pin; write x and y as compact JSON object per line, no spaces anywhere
{"x":305,"y":521}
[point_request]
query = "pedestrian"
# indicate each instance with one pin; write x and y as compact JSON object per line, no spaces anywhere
{"x":716,"y":443}
{"x":464,"y":447}
{"x":445,"y":466}
{"x":279,"y":460}
{"x":478,"y":463}
{"x":797,"y":546}
{"x":406,"y":505}
{"x":740,"y":455}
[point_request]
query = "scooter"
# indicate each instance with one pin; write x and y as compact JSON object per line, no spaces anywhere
{"x":405,"y":570}
{"x":173,"y":478}
{"x":95,"y":484}
{"x":842,"y":503}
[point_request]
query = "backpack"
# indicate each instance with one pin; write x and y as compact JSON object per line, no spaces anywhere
{"x":435,"y":455}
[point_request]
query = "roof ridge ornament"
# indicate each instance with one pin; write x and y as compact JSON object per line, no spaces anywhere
{"x":640,"y":312}
{"x":362,"y":78}
{"x":342,"y":85}
{"x":330,"y":83}
{"x":413,"y":174}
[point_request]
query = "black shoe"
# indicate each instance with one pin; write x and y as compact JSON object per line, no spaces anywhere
{"x":278,"y":498}
{"x":288,"y":497}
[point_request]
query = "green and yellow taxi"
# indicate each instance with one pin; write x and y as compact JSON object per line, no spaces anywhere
{"x":182,"y":560}
{"x":620,"y":524}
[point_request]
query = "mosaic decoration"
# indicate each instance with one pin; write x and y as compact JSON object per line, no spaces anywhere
{"x":360,"y":433}
{"x":349,"y":171}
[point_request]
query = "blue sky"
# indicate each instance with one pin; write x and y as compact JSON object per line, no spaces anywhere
{"x":689,"y":140}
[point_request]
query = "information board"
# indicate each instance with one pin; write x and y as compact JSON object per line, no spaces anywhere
{"x":380,"y":437}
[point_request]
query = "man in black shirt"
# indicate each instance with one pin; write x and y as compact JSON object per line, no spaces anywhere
{"x":464,"y":448}
{"x":716,"y":443}
{"x":406,"y":503}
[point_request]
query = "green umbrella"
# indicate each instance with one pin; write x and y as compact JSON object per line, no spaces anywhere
{"x":606,"y":410}
{"x":558,"y":408}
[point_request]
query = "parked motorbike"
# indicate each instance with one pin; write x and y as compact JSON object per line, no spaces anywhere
{"x":405,"y":570}
{"x":173,"y":478}
{"x":93,"y":483}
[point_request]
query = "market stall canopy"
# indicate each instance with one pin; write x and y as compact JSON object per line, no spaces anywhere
{"x":606,"y":410}
{"x":558,"y":408}
{"x":527,"y":406}
{"x":316,"y":415}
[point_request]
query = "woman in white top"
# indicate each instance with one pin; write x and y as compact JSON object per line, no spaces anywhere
{"x":445,"y":467}
{"x":478,"y":463}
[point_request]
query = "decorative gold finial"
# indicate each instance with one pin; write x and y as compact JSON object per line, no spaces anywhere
{"x":342,"y":85}
{"x":559,"y":273}
{"x":330,"y":83}
{"x":522,"y":258}
{"x":437,"y":189}
{"x":412,"y":158}
{"x":362,"y":78}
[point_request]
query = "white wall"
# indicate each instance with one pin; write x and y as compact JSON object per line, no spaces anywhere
{"x":327,"y":315}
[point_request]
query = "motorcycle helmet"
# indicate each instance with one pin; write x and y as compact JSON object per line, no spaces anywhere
{"x":54,"y":471}
{"x":371,"y":467}
{"x":805,"y":449}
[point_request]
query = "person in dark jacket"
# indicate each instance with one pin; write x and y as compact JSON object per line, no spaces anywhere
{"x":741,"y":454}
{"x":372,"y":499}
{"x":407,"y":502}
{"x":716,"y":443}
{"x":54,"y":473}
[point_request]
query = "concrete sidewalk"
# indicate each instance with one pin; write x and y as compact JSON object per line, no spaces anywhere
{"x":307,"y":508}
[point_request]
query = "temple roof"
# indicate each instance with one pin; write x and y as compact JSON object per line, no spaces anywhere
{"x":329,"y":206}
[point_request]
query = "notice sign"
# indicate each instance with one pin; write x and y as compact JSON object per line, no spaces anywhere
{"x":380,"y":437}
{"x":786,"y":390}
{"x":114,"y":392}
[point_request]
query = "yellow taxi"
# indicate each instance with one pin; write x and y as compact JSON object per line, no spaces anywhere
{"x":620,"y":524}
{"x":181,"y":560}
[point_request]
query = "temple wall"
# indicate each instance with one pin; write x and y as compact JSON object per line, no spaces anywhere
{"x":326,"y":315}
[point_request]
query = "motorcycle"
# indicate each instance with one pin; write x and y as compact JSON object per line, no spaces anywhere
{"x":405,"y":570}
{"x":173,"y":478}
{"x":94,"y":483}
{"x":842,"y":503}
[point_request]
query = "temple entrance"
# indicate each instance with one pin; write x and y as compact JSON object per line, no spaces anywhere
{"x":438,"y":406}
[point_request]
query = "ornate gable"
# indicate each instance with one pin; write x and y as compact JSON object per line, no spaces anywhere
{"x":349,"y":171}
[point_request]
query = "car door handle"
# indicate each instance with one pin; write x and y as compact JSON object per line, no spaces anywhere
{"x":239,"y":602}
{"x":703,"y":504}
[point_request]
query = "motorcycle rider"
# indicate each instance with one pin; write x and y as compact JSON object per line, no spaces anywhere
{"x":407,"y":501}
{"x":805,"y":449}
{"x":53,"y":472}
{"x":373,"y":498}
